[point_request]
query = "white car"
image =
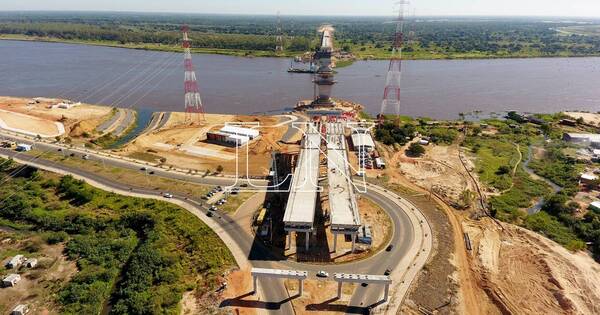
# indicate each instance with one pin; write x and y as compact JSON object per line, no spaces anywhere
{"x":167,"y":195}
{"x":322,"y":274}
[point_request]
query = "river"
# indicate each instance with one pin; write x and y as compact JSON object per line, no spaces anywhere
{"x":154,"y":80}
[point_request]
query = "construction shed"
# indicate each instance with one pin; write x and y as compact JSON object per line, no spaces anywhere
{"x":20,"y":310}
{"x":11,"y":280}
{"x":15,"y":262}
{"x":239,"y":131}
{"x":31,"y":263}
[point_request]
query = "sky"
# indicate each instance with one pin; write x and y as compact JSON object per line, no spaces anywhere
{"x":574,"y":8}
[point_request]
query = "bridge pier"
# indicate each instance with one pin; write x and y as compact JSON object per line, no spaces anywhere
{"x":307,"y":240}
{"x":335,"y":237}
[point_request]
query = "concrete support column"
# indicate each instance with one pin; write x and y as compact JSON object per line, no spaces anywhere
{"x":386,"y":292}
{"x":300,"y":286}
{"x":288,"y":240}
{"x":353,"y":241}
{"x":339,"y":292}
{"x":254,"y":284}
{"x":307,"y":239}
{"x":335,"y":237}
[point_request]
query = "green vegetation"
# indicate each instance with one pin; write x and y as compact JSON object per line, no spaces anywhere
{"x":365,"y":37}
{"x":558,"y":167}
{"x":550,"y":227}
{"x":390,"y":133}
{"x":557,"y":218}
{"x":498,"y":160}
{"x":415,"y":149}
{"x":136,"y":256}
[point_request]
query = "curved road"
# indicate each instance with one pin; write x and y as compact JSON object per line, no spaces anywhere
{"x":412,"y":238}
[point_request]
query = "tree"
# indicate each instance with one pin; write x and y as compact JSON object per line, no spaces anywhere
{"x":503,"y":169}
{"x":415,"y":150}
{"x":219,"y":168}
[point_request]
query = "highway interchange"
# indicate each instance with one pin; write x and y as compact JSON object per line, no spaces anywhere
{"x":411,"y":232}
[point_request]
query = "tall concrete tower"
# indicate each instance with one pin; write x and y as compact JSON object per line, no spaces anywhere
{"x":324,"y":78}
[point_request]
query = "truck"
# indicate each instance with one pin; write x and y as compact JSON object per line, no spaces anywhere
{"x":8,"y":144}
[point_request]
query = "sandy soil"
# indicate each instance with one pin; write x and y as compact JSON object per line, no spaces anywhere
{"x":371,"y":215}
{"x":183,"y":143}
{"x":237,"y":297}
{"x":439,"y":170}
{"x":29,"y":124}
{"x":77,"y":120}
{"x":524,"y":273}
{"x":590,"y":118}
{"x":39,"y":285}
{"x":512,"y":271}
{"x":314,"y":301}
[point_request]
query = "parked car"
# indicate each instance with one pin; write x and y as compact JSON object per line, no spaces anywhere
{"x":389,"y":248}
{"x":86,"y":157}
{"x":387,"y":272}
{"x":322,"y":274}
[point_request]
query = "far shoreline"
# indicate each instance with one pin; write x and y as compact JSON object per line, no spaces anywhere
{"x":263,"y":54}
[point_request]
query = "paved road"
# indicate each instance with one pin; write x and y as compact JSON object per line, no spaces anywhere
{"x":407,"y":240}
{"x":108,"y":125}
{"x":125,"y":123}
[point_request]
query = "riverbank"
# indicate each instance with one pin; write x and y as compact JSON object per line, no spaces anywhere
{"x":361,"y":53}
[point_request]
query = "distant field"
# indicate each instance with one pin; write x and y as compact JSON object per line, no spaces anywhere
{"x":584,"y":30}
{"x":365,"y":37}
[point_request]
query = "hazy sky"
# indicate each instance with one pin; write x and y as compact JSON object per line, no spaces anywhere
{"x":584,"y":8}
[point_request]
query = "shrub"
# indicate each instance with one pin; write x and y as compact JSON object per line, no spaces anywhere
{"x":415,"y":150}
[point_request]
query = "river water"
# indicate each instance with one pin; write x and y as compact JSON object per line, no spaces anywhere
{"x":154,"y":81}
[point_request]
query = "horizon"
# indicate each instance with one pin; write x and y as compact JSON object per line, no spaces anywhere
{"x":299,"y":15}
{"x":508,"y":8}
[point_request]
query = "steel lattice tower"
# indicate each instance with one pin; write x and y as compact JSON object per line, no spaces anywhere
{"x":391,"y":93}
{"x":279,"y":39}
{"x":193,"y":102}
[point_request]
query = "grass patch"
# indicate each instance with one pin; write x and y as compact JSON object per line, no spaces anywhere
{"x":145,"y":156}
{"x":550,"y":227}
{"x":235,"y":201}
{"x":139,"y":254}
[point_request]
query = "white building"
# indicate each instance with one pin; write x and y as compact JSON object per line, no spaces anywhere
{"x":31,"y":263}
{"x":588,"y":139}
{"x":239,"y":131}
{"x":362,"y":140}
{"x":11,"y":280}
{"x":15,"y":262}
{"x":20,"y":310}
{"x":587,"y":178}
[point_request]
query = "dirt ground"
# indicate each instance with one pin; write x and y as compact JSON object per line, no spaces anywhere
{"x":29,"y":124}
{"x":370,"y":214}
{"x":524,"y":273}
{"x":39,"y":285}
{"x":439,"y":170}
{"x":182,"y":143}
{"x":590,"y":118}
{"x":313,"y":301}
{"x":511,"y":271}
{"x":237,"y":298}
{"x":77,"y":119}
